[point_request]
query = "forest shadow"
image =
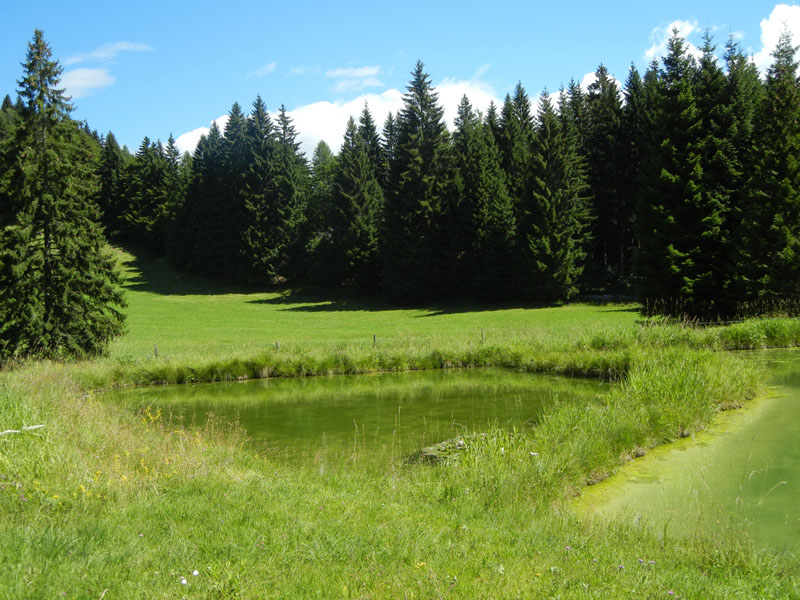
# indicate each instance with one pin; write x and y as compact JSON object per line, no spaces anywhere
{"x":337,"y":300}
{"x":145,"y":272}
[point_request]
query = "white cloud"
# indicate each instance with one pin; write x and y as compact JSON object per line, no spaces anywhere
{"x":479,"y":93}
{"x":80,"y":83}
{"x":355,"y":79}
{"x":660,"y":36}
{"x":782,"y":16}
{"x":591,"y":77}
{"x":265,"y":70}
{"x":187,"y":142}
{"x":107,"y":52}
{"x":327,"y":120}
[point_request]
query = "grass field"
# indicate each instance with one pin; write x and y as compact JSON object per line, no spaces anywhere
{"x":103,"y":503}
{"x":189,"y":317}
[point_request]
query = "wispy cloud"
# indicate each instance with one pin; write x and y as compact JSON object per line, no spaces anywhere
{"x":302,"y":70}
{"x":356,"y":73}
{"x":80,"y":83}
{"x":782,"y":17}
{"x":265,"y":70}
{"x":355,"y":79}
{"x":107,"y":52}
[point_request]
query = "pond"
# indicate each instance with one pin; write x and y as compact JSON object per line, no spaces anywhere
{"x":386,"y":414}
{"x":742,"y":475}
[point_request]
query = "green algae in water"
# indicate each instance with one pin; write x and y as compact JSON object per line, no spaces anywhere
{"x":741,"y":476}
{"x":380,"y":415}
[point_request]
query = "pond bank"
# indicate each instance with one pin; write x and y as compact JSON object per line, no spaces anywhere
{"x":741,"y":475}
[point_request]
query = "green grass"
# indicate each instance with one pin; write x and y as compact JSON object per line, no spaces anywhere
{"x":105,"y":503}
{"x":189,"y":318}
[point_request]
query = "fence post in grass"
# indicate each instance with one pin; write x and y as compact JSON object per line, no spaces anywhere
{"x":277,"y":346}
{"x":483,"y":338}
{"x":155,"y":350}
{"x":374,"y":340}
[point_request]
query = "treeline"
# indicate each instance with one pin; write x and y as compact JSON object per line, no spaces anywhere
{"x":681,"y":187}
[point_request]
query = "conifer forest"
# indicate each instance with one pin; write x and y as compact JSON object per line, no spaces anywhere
{"x":680,"y":187}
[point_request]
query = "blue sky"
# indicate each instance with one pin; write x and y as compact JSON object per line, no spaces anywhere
{"x":155,"y":68}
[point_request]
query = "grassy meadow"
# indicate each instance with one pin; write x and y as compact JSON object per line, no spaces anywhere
{"x":104,"y":503}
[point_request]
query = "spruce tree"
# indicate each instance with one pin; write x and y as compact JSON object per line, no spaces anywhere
{"x":514,"y":140}
{"x":668,"y":229}
{"x":777,"y":180}
{"x":145,"y":196}
{"x":637,"y":147}
{"x":484,"y":212}
{"x":291,"y":181}
{"x":260,"y":206}
{"x":355,"y":216}
{"x":323,"y":170}
{"x":389,"y":144}
{"x":577,"y":108}
{"x":59,"y":289}
{"x":368,"y":132}
{"x":611,"y":229}
{"x":414,"y":238}
{"x":198,"y":220}
{"x":745,"y":93}
{"x":711,"y":271}
{"x":111,"y":193}
{"x":554,"y":212}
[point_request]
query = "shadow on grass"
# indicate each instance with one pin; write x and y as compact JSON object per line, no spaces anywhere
{"x":338,"y":300}
{"x":145,"y":272}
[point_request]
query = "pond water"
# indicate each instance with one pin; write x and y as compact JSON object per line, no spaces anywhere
{"x":387,"y":414}
{"x":742,"y":475}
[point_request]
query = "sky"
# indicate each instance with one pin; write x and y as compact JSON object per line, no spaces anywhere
{"x":171,"y":67}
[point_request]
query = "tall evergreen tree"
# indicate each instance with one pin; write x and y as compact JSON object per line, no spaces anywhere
{"x":356,"y":210}
{"x":199,"y":218}
{"x":577,"y":108}
{"x":515,"y":139}
{"x":323,"y":171}
{"x":484,"y":211}
{"x":291,"y":181}
{"x":777,"y":181}
{"x":668,"y":229}
{"x":59,"y":290}
{"x":368,"y":132}
{"x":554,"y":214}
{"x":492,"y":122}
{"x":389,"y":141}
{"x":145,"y":196}
{"x":637,"y":147}
{"x":611,"y":229}
{"x":414,"y":243}
{"x":111,"y":191}
{"x":711,"y":270}
{"x":745,"y":93}
{"x":260,"y":206}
